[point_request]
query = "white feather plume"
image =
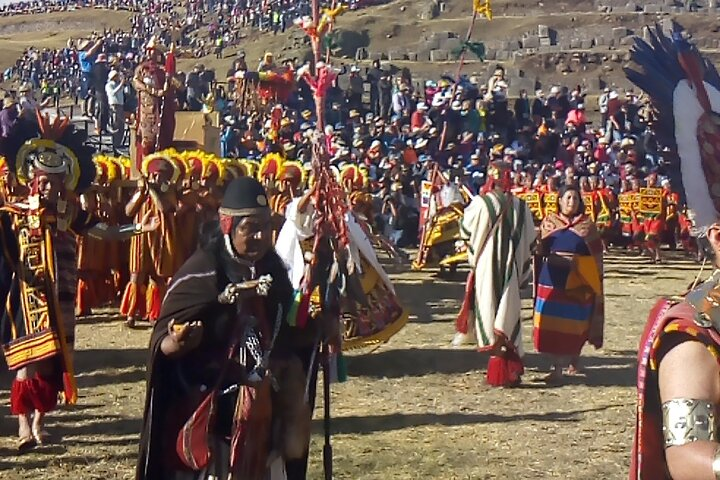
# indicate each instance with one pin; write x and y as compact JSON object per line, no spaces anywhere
{"x":687,"y":110}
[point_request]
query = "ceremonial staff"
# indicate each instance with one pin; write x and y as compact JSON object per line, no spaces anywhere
{"x":483,"y":8}
{"x":328,"y":269}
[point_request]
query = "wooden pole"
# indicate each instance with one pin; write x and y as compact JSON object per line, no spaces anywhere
{"x":421,"y":257}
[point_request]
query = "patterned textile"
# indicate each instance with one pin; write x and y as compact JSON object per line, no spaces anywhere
{"x":669,"y":323}
{"x":499,"y":265}
{"x":569,"y":293}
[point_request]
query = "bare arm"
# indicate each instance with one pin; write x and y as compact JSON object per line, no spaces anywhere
{"x":133,"y":206}
{"x":94,"y":49}
{"x":692,"y":461}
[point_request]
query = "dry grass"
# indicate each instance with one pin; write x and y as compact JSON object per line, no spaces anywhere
{"x":52,"y":30}
{"x":414,"y":409}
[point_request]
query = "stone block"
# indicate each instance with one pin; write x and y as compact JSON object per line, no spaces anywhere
{"x":627,"y":41}
{"x":601,"y":41}
{"x":653,"y":8}
{"x":565,"y":44}
{"x":502,"y":55}
{"x":545,"y":41}
{"x":490,"y":54}
{"x":431,"y":43}
{"x":631,"y":7}
{"x":543,"y":31}
{"x":586,"y":44}
{"x":575,"y":43}
{"x":438,"y":55}
{"x":620,"y":32}
{"x":450,"y":44}
{"x":531,"y":42}
{"x":517,"y":84}
{"x":377,"y":56}
{"x":395,"y":55}
{"x":423,"y":55}
{"x":412,"y":56}
{"x":595,"y":84}
{"x":361,"y":54}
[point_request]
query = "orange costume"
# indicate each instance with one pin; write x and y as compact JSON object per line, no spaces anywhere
{"x":97,"y":258}
{"x":152,"y":255}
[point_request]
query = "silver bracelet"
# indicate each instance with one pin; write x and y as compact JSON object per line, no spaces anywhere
{"x":716,"y":463}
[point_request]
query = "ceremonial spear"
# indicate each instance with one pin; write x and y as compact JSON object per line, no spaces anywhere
{"x":480,"y":7}
{"x":328,"y":264}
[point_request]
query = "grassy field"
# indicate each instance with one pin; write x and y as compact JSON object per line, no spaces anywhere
{"x":413,"y":409}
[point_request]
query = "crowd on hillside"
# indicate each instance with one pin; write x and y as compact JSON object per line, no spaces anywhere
{"x":396,"y":130}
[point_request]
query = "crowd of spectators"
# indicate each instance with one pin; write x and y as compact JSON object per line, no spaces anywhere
{"x":396,"y":127}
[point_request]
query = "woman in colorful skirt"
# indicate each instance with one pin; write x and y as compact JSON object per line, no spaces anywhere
{"x":569,"y":291}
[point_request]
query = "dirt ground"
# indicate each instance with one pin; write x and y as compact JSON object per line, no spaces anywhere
{"x":412,"y":409}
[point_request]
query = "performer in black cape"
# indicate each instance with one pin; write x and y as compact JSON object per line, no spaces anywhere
{"x":233,"y":290}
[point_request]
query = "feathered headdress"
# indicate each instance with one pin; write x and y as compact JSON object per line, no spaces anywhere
{"x":251,"y":167}
{"x":270,"y":167}
{"x":160,"y":162}
{"x":684,"y":88}
{"x":293,"y":173}
{"x":52,"y":147}
{"x":353,"y":177}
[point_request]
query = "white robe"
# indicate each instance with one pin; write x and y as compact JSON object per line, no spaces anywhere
{"x":503,"y":266}
{"x":299,"y":226}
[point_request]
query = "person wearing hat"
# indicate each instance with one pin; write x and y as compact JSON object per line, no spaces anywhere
{"x":8,"y":117}
{"x":156,"y":103}
{"x":229,"y":300}
{"x":28,"y":104}
{"x":356,"y":88}
{"x":115,"y":94}
{"x":577,"y":118}
{"x":87,"y":50}
{"x":419,"y":120}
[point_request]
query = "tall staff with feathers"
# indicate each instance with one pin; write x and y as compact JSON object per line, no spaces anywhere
{"x":328,"y":266}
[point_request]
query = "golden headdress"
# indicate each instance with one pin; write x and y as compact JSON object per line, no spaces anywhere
{"x":353,"y":177}
{"x":160,"y":162}
{"x":270,"y":168}
{"x":293,"y":173}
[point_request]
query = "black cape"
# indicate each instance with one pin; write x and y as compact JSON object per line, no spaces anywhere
{"x":193,"y":296}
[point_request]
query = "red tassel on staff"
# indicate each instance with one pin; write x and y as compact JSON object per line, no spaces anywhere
{"x":462,"y":322}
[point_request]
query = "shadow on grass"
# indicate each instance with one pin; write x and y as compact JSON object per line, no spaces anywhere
{"x":415,"y":362}
{"x":362,"y":425}
{"x":423,"y":299}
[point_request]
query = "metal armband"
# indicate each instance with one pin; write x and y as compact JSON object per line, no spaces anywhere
{"x":686,"y":420}
{"x":716,"y":464}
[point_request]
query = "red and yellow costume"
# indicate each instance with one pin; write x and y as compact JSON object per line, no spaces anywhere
{"x":652,"y":209}
{"x":153,"y":255}
{"x":97,"y":259}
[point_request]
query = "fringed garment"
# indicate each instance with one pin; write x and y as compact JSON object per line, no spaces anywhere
{"x":500,"y":263}
{"x":34,"y":327}
{"x":154,"y":256}
{"x":372,"y":313}
{"x":569,"y":292}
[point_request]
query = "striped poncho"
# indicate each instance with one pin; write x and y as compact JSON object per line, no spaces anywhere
{"x":493,"y":300}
